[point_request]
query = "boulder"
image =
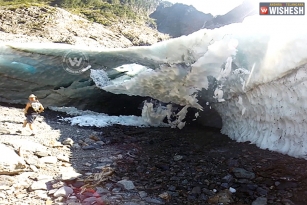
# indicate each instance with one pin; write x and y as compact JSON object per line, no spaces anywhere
{"x":10,"y":162}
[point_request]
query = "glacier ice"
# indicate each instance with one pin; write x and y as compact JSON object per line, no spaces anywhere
{"x":252,"y":73}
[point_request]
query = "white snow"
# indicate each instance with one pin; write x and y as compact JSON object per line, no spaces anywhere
{"x":74,"y":111}
{"x":104,"y":121}
{"x":153,"y":117}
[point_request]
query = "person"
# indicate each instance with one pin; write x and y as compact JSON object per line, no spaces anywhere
{"x":32,"y":110}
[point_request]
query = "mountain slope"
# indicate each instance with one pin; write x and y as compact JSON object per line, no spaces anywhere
{"x":50,"y":24}
{"x":179,"y":19}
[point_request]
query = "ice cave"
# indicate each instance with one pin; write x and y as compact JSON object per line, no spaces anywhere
{"x":253,"y":74}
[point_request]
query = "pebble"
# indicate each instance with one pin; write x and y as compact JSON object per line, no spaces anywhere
{"x":62,"y":158}
{"x":89,"y":141}
{"x":38,"y":185}
{"x":41,"y":194}
{"x":48,"y":160}
{"x":68,"y":141}
{"x":228,"y":178}
{"x":243,"y":174}
{"x":196,"y":190}
{"x":68,"y":173}
{"x":153,"y":200}
{"x":178,"y":157}
{"x":101,"y":190}
{"x":88,"y":147}
{"x":101,"y":143}
{"x":221,"y":197}
{"x":89,"y":200}
{"x":42,"y":154}
{"x":126,"y":184}
{"x":260,"y":201}
{"x":232,"y":190}
{"x":76,"y":146}
{"x":166,"y":196}
{"x":63,"y":192}
{"x":56,"y":144}
{"x":94,"y":137}
{"x":142,"y":194}
{"x":33,"y":168}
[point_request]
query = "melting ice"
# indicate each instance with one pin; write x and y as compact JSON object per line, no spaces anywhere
{"x":254,"y":74}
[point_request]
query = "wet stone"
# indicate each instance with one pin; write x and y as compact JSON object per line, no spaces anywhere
{"x":153,"y":200}
{"x":208,"y":192}
{"x":142,"y":194}
{"x":88,"y":147}
{"x":174,"y":178}
{"x":261,"y":191}
{"x":174,"y":194}
{"x":196,"y":190}
{"x":185,"y":182}
{"x":260,"y":201}
{"x":251,"y":186}
{"x":243,"y":174}
{"x":172,"y":188}
{"x":221,"y":197}
{"x":225,"y":185}
{"x":228,"y":178}
{"x":126,"y":184}
{"x":89,"y":200}
{"x":101,"y":190}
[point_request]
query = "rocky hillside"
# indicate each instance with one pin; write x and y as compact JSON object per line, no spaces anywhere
{"x":51,"y":24}
{"x":179,"y":19}
{"x":247,"y":8}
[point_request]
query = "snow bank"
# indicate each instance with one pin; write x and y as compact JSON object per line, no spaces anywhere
{"x":90,"y":118}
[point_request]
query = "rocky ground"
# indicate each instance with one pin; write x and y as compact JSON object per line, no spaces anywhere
{"x":22,"y":24}
{"x":65,"y":164}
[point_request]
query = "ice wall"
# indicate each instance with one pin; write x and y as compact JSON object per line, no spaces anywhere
{"x":271,"y":115}
{"x":253,"y":73}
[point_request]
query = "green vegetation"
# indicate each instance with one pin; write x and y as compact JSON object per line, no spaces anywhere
{"x":23,"y":2}
{"x":101,"y":11}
